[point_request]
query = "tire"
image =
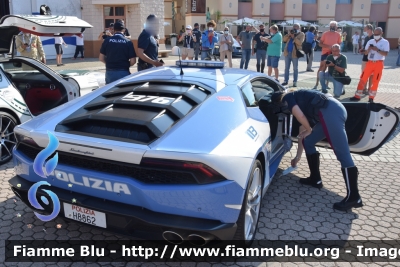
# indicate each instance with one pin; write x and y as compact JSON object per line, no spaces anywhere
{"x":7,"y":138}
{"x":246,"y":218}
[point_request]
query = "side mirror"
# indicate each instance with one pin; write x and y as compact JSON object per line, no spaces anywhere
{"x":17,"y":64}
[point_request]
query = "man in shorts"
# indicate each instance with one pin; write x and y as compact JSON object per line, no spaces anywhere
{"x":274,"y":50}
{"x":188,"y":39}
{"x":328,"y":39}
{"x":58,"y":43}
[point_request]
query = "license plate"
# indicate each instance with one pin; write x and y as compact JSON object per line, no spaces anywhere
{"x":85,"y":215}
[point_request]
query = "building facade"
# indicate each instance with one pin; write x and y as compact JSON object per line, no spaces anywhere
{"x":100,"y":13}
{"x":178,"y":13}
{"x":382,"y":13}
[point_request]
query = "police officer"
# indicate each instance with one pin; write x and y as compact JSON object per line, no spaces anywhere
{"x":118,"y":54}
{"x":196,"y":45}
{"x":148,"y":45}
{"x":328,"y":116}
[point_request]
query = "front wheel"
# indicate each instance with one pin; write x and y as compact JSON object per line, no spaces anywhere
{"x":250,"y":212}
{"x":7,"y":138}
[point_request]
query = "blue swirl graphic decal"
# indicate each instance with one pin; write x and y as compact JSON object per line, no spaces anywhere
{"x":32,"y":199}
{"x":40,"y":166}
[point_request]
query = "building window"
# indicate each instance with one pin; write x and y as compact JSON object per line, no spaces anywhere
{"x":276,"y":1}
{"x":343,"y":1}
{"x":379,"y":1}
{"x":309,"y":1}
{"x":112,"y":14}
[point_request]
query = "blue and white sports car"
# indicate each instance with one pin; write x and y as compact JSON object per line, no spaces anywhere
{"x":181,"y":157}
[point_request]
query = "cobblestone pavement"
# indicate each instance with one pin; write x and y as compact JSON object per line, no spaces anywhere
{"x":289,"y":211}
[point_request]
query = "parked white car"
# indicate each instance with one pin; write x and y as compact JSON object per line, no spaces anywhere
{"x":29,"y":87}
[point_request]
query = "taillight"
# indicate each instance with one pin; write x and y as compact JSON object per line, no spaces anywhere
{"x":204,"y":174}
{"x":26,"y":140}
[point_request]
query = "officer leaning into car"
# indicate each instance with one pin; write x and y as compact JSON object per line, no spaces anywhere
{"x":118,"y":54}
{"x":328,"y":116}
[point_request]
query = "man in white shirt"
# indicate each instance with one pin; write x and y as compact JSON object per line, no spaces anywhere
{"x":356,"y":39}
{"x":376,"y":49}
{"x":79,"y":46}
{"x":59,"y":41}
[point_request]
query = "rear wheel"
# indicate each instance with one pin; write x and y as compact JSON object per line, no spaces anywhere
{"x":250,"y":213}
{"x":7,"y":138}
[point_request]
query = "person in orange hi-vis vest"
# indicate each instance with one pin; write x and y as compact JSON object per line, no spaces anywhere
{"x":376,"y":49}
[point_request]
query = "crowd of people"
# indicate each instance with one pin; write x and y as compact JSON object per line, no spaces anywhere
{"x":296,"y":44}
{"x":118,"y":53}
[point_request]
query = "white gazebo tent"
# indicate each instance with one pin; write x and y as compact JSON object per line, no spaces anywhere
{"x":348,"y":23}
{"x":247,"y":21}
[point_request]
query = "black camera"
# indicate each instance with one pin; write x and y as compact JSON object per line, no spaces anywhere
{"x":292,"y":31}
{"x":328,"y":62}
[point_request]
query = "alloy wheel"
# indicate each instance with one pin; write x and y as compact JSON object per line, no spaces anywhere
{"x":7,"y":138}
{"x":253,"y":205}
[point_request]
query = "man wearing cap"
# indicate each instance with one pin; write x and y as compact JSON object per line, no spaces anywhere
{"x":188,"y":43}
{"x":107,"y":32}
{"x":196,"y":45}
{"x":118,"y":54}
{"x":148,"y":46}
{"x":208,"y":40}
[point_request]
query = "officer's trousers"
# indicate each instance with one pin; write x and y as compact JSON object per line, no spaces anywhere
{"x":332,"y":127}
{"x":114,"y":75}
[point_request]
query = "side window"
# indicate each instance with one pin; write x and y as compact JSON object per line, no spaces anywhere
{"x":3,"y":79}
{"x":263,"y":88}
{"x":248,"y":95}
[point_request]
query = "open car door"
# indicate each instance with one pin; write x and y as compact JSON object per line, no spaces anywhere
{"x":40,"y":25}
{"x":368,"y":126}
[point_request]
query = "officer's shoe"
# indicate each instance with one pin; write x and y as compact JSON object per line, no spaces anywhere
{"x":311,"y":181}
{"x":315,"y":177}
{"x":371,"y":100}
{"x":353,"y":198}
{"x":347,"y":205}
{"x":354,"y":99}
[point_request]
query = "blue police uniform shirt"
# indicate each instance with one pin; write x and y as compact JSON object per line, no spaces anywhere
{"x":148,"y":43}
{"x":303,"y":99}
{"x":197,"y":33}
{"x":118,"y":51}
